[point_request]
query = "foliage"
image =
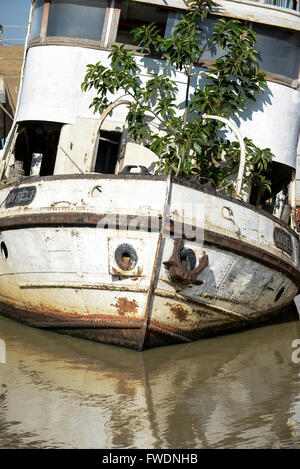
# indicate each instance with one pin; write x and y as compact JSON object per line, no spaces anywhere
{"x":187,"y":144}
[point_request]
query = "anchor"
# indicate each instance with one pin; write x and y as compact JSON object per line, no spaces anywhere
{"x":178,"y":266}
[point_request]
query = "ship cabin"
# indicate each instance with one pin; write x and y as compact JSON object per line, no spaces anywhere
{"x":53,"y":117}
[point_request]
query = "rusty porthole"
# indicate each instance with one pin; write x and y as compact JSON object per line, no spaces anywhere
{"x":279,"y":294}
{"x":189,"y":256}
{"x":126,"y":256}
{"x":4,"y":250}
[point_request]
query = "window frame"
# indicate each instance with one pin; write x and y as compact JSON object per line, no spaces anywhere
{"x":110,"y":25}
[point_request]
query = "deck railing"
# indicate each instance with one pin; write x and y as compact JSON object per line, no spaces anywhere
{"x":8,"y":33}
{"x":291,"y":4}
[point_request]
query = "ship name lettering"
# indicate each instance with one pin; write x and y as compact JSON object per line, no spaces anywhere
{"x":283,"y":240}
{"x":20,"y":196}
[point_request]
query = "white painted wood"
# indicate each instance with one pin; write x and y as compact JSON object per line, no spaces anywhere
{"x":242,"y":9}
{"x":76,"y":147}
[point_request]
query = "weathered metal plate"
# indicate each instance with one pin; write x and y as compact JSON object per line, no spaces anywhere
{"x":283,"y":240}
{"x":20,"y":196}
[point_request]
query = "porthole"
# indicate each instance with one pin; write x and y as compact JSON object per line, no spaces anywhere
{"x":4,"y":250}
{"x":279,"y":294}
{"x":126,"y":256}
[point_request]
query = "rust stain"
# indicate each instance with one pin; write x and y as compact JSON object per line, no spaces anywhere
{"x":39,"y":313}
{"x":124,"y":306}
{"x":179,"y":311}
{"x":120,"y":273}
{"x":54,"y":204}
{"x":116,"y":272}
{"x":204,"y":314}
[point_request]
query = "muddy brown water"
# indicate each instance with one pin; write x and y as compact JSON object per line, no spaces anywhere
{"x":236,"y":391}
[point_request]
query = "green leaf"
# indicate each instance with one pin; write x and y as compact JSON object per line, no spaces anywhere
{"x":230,"y":83}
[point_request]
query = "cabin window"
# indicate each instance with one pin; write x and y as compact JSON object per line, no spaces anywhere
{"x":138,"y":14}
{"x":207,"y":29}
{"x":38,"y":137}
{"x":280,"y":176}
{"x":280,"y":50}
{"x":37,"y":19}
{"x":77,"y":18}
{"x":108,"y":152}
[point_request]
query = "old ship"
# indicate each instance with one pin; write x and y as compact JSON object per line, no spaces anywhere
{"x":72,"y":259}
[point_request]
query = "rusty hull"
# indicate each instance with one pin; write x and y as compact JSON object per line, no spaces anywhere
{"x":128,"y":333}
{"x":163,"y":316}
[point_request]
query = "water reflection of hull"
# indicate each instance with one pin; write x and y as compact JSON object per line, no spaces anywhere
{"x":232,"y":391}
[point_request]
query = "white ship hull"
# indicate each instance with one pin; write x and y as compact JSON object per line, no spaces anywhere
{"x":59,"y":267}
{"x":137,"y":259}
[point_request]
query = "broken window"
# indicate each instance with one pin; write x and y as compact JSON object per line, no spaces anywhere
{"x":108,"y":152}
{"x":279,"y":48}
{"x":136,"y":14}
{"x":38,"y":137}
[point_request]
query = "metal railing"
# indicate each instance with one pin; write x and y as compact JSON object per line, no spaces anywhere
{"x":290,"y":4}
{"x":5,"y":33}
